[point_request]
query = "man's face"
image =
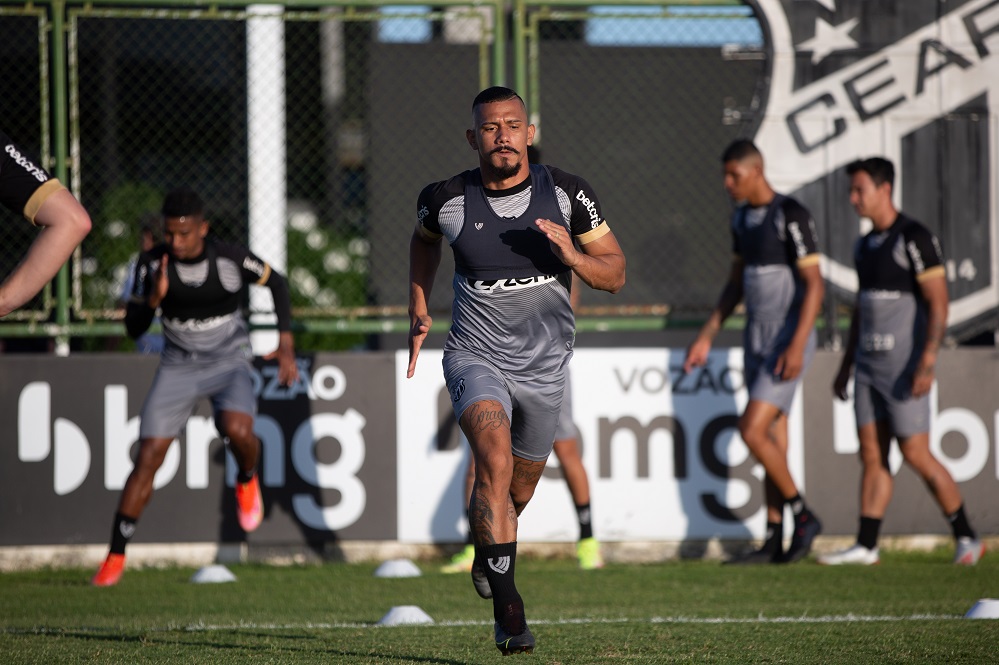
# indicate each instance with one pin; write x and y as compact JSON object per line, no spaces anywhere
{"x":866,"y":197}
{"x":741,"y":178}
{"x":501,"y":136}
{"x":185,"y":235}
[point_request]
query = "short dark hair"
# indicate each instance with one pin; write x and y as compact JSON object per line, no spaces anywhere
{"x":497,"y":93}
{"x":182,"y":202}
{"x":880,"y":169}
{"x":739,"y":150}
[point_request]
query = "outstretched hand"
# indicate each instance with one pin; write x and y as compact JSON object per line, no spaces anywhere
{"x":417,"y":334}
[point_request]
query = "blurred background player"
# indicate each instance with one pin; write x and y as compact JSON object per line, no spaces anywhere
{"x":198,"y":284}
{"x":775,"y":270}
{"x":27,"y":189}
{"x":566,"y":449}
{"x":898,"y":325}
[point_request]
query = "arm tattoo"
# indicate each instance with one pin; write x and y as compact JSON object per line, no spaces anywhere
{"x":934,"y":335}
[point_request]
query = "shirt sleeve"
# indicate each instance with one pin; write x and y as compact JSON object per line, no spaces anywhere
{"x":800,"y":236}
{"x":428,"y":210}
{"x":585,"y":215}
{"x":924,"y":252}
{"x":24,"y":186}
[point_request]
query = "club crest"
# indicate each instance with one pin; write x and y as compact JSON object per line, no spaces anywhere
{"x":915,"y":83}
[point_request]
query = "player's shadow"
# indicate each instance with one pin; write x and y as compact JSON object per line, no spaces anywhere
{"x":449,"y":514}
{"x":718,"y":491}
{"x":282,"y":413}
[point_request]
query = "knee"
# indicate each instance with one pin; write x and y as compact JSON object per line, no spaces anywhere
{"x":494,"y":472}
{"x":752,"y":435}
{"x":239,"y":432}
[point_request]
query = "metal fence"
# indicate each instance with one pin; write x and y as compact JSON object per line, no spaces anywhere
{"x":310,"y":127}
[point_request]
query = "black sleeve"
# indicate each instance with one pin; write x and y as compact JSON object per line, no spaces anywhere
{"x":257,"y":271}
{"x":20,"y":176}
{"x":586,"y":214}
{"x":801,"y":238}
{"x":138,"y":314}
{"x":282,"y":299}
{"x":923,"y":248}
{"x":432,"y":200}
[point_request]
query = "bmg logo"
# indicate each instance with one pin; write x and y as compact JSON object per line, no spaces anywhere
{"x":40,"y":438}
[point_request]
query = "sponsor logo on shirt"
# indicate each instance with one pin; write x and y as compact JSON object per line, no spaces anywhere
{"x":256,"y":267}
{"x":591,"y":207}
{"x":510,"y":284}
{"x":917,"y":258}
{"x":39,"y":174}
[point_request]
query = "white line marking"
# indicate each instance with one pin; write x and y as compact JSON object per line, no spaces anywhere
{"x":200,"y":627}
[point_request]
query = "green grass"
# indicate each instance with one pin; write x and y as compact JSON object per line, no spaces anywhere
{"x":907,"y":610}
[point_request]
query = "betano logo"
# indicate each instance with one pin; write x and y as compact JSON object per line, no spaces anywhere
{"x":851,"y":80}
{"x":41,"y":438}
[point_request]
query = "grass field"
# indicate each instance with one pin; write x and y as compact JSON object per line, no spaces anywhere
{"x":907,"y":610}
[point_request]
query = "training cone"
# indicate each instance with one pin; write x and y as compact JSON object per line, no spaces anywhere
{"x":213,"y":574}
{"x":986,"y":608}
{"x":404,"y":614}
{"x":397,"y":568}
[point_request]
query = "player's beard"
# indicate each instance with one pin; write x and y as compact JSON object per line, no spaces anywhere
{"x":506,"y":170}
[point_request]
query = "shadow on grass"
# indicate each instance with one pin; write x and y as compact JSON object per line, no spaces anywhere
{"x":147,"y":640}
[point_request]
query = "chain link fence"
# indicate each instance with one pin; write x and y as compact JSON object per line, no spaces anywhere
{"x":310,"y":131}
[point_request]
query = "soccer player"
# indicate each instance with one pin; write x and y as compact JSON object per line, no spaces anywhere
{"x":197,"y":283}
{"x":27,"y":189}
{"x":514,"y":228}
{"x":775,"y":270}
{"x":898,"y":324}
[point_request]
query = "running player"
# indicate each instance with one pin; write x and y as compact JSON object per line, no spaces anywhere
{"x":775,"y":270}
{"x":514,"y":228}
{"x":197,"y":284}
{"x":897,"y":327}
{"x":26,"y":189}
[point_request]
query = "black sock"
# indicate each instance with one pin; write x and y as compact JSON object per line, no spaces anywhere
{"x":773,"y":541}
{"x":121,"y":533}
{"x":499,"y":561}
{"x":797,"y":506}
{"x":870,"y":527}
{"x":585,"y":523}
{"x":245,"y":476}
{"x":468,"y":536}
{"x":959,"y":524}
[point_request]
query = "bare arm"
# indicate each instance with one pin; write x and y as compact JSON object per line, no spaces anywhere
{"x":849,"y":356}
{"x":731,"y":295}
{"x":424,"y":259}
{"x":64,"y":225}
{"x":791,"y":362}
{"x":934,"y":289}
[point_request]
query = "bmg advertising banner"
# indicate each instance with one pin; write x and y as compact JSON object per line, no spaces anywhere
{"x":355,"y":451}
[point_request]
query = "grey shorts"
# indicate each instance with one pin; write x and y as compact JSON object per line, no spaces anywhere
{"x":906,"y":416}
{"x":764,"y":386}
{"x":566,"y":426}
{"x":532,"y":406}
{"x":177,"y":388}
